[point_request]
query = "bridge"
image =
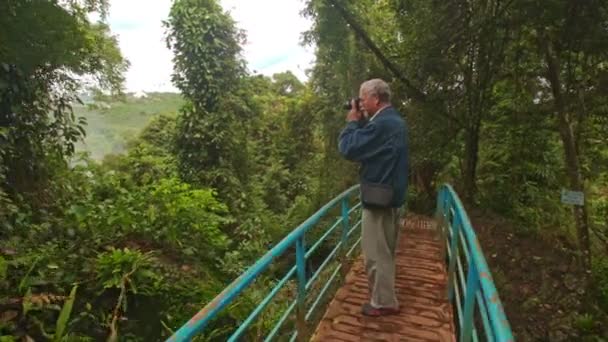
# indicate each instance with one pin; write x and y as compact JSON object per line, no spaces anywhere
{"x":443,"y":282}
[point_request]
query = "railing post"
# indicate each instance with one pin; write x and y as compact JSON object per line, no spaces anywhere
{"x":454,"y":228}
{"x":469,"y":302}
{"x":344,"y":238}
{"x":442,"y":224}
{"x":345,"y":223}
{"x":301,"y":273}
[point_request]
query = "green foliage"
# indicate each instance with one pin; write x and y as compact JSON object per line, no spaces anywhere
{"x":64,"y":316}
{"x":196,"y":213}
{"x":206,"y":50}
{"x":600,"y":275}
{"x":55,"y":30}
{"x":37,"y":86}
{"x":162,"y":222}
{"x":3,"y":268}
{"x":520,"y":156}
{"x":167,"y":211}
{"x":117,"y":268}
{"x":585,"y":323}
{"x":210,"y":142}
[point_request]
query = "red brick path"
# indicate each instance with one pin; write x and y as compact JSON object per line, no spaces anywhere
{"x":426,"y":314}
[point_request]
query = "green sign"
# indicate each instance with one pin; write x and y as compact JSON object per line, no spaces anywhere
{"x":573,"y":197}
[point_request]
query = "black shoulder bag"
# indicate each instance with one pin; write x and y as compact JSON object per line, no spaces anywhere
{"x":377,"y":195}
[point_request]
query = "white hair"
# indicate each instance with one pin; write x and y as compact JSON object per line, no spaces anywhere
{"x":378,"y":88}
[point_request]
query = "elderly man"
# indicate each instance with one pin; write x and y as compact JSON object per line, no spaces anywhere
{"x":379,"y":144}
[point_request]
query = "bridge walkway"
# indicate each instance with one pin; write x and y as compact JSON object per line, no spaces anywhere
{"x":421,"y":281}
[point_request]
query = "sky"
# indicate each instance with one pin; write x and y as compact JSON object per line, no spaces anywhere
{"x":273,"y":41}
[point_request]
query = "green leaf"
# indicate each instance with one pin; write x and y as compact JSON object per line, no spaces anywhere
{"x":3,"y":268}
{"x":27,"y":303}
{"x":24,"y":282}
{"x":64,"y":316}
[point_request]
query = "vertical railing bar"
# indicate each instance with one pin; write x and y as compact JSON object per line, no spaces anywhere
{"x":460,"y":268}
{"x":469,"y":302}
{"x":483,"y":312}
{"x":447,"y":248}
{"x":464,"y":247}
{"x":454,"y":228}
{"x":345,"y":230}
{"x":301,"y":271}
{"x":448,"y":236}
{"x":345,"y":221}
{"x":458,"y":302}
{"x":460,"y":275}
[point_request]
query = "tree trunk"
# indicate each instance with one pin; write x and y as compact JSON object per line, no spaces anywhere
{"x":471,"y":150}
{"x":572,"y":159}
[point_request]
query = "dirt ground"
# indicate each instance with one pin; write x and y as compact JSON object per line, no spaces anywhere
{"x":540,"y":283}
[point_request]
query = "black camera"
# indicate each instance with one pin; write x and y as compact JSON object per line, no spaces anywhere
{"x":348,"y":104}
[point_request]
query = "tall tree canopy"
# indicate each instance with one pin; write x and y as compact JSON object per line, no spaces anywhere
{"x":44,"y":47}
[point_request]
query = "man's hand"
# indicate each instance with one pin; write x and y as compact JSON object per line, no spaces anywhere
{"x":354,"y":114}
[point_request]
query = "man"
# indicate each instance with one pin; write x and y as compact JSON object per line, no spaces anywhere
{"x":380,"y":146}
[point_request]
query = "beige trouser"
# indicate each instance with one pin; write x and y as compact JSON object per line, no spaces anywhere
{"x":379,"y":243}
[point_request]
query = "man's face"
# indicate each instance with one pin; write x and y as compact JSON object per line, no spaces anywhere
{"x":369,"y":103}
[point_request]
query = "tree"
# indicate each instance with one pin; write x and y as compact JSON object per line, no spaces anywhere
{"x":341,"y":65}
{"x":570,"y":41}
{"x":208,"y":70}
{"x":44,"y":47}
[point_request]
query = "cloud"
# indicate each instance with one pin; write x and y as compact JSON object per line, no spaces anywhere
{"x":273,"y":29}
{"x":138,"y":25}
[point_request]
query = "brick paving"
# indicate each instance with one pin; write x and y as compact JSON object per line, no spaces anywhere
{"x":426,"y":314}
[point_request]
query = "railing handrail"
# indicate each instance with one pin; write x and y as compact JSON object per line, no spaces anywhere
{"x":479,"y":277}
{"x":199,"y":321}
{"x":480,"y":289}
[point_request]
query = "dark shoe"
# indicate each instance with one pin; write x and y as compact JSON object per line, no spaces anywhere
{"x":369,"y":310}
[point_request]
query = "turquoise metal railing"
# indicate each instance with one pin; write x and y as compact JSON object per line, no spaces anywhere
{"x":477,"y":290}
{"x":304,"y":284}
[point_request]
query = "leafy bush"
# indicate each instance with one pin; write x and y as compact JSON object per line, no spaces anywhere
{"x":119,"y":268}
{"x":168,"y":213}
{"x":600,"y":277}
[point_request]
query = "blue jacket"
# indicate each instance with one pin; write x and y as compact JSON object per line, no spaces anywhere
{"x":380,"y":145}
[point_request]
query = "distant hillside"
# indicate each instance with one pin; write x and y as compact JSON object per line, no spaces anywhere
{"x":111,"y":124}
